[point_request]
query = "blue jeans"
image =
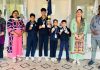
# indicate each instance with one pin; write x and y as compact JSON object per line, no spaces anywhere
{"x":94,"y":43}
{"x":64,"y":44}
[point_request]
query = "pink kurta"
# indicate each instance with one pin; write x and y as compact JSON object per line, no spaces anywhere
{"x":15,"y":42}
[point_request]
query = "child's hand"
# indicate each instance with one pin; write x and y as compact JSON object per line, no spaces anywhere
{"x":30,"y":28}
{"x":43,"y":26}
{"x":66,"y":31}
{"x":49,"y":26}
{"x":53,"y":29}
{"x":40,"y":27}
{"x":61,"y":31}
{"x":31,"y":25}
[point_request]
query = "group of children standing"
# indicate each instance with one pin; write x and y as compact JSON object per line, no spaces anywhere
{"x":41,"y":32}
{"x":47,"y":30}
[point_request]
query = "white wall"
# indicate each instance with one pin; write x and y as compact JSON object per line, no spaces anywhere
{"x":61,"y":8}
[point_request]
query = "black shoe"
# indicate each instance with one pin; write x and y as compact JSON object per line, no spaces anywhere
{"x":98,"y":67}
{"x":68,"y":59}
{"x":58,"y":60}
{"x":91,"y":62}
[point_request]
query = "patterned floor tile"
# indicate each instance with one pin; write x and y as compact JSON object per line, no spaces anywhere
{"x":46,"y":65}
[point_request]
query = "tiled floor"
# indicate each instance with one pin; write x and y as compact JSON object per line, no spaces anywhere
{"x":7,"y":64}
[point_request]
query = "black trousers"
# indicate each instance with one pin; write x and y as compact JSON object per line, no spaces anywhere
{"x":31,"y":46}
{"x":43,"y":43}
{"x":53,"y":48}
{"x":1,"y":50}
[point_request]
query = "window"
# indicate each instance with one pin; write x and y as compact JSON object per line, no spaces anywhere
{"x":7,"y":6}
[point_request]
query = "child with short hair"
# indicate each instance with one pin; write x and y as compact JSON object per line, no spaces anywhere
{"x":54,"y":39}
{"x":43,"y":34}
{"x":32,"y":39}
{"x":65,"y":33}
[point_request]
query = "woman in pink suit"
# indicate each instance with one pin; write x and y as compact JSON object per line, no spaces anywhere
{"x":15,"y":31}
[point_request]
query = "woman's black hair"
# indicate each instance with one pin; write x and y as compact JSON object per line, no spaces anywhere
{"x":13,"y":13}
{"x":79,"y":10}
{"x":82,"y":19}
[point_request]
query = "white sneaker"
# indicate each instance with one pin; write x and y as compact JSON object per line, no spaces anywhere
{"x":55,"y":59}
{"x":46,"y":58}
{"x":74,"y":62}
{"x":39,"y":59}
{"x":19,"y":59}
{"x":14,"y":60}
{"x":32,"y":58}
{"x":52,"y":59}
{"x":78,"y":62}
{"x":27,"y":58}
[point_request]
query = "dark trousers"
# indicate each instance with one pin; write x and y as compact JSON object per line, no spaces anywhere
{"x":1,"y":50}
{"x":43,"y":43}
{"x":53,"y":48}
{"x":31,"y":46}
{"x":64,"y":44}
